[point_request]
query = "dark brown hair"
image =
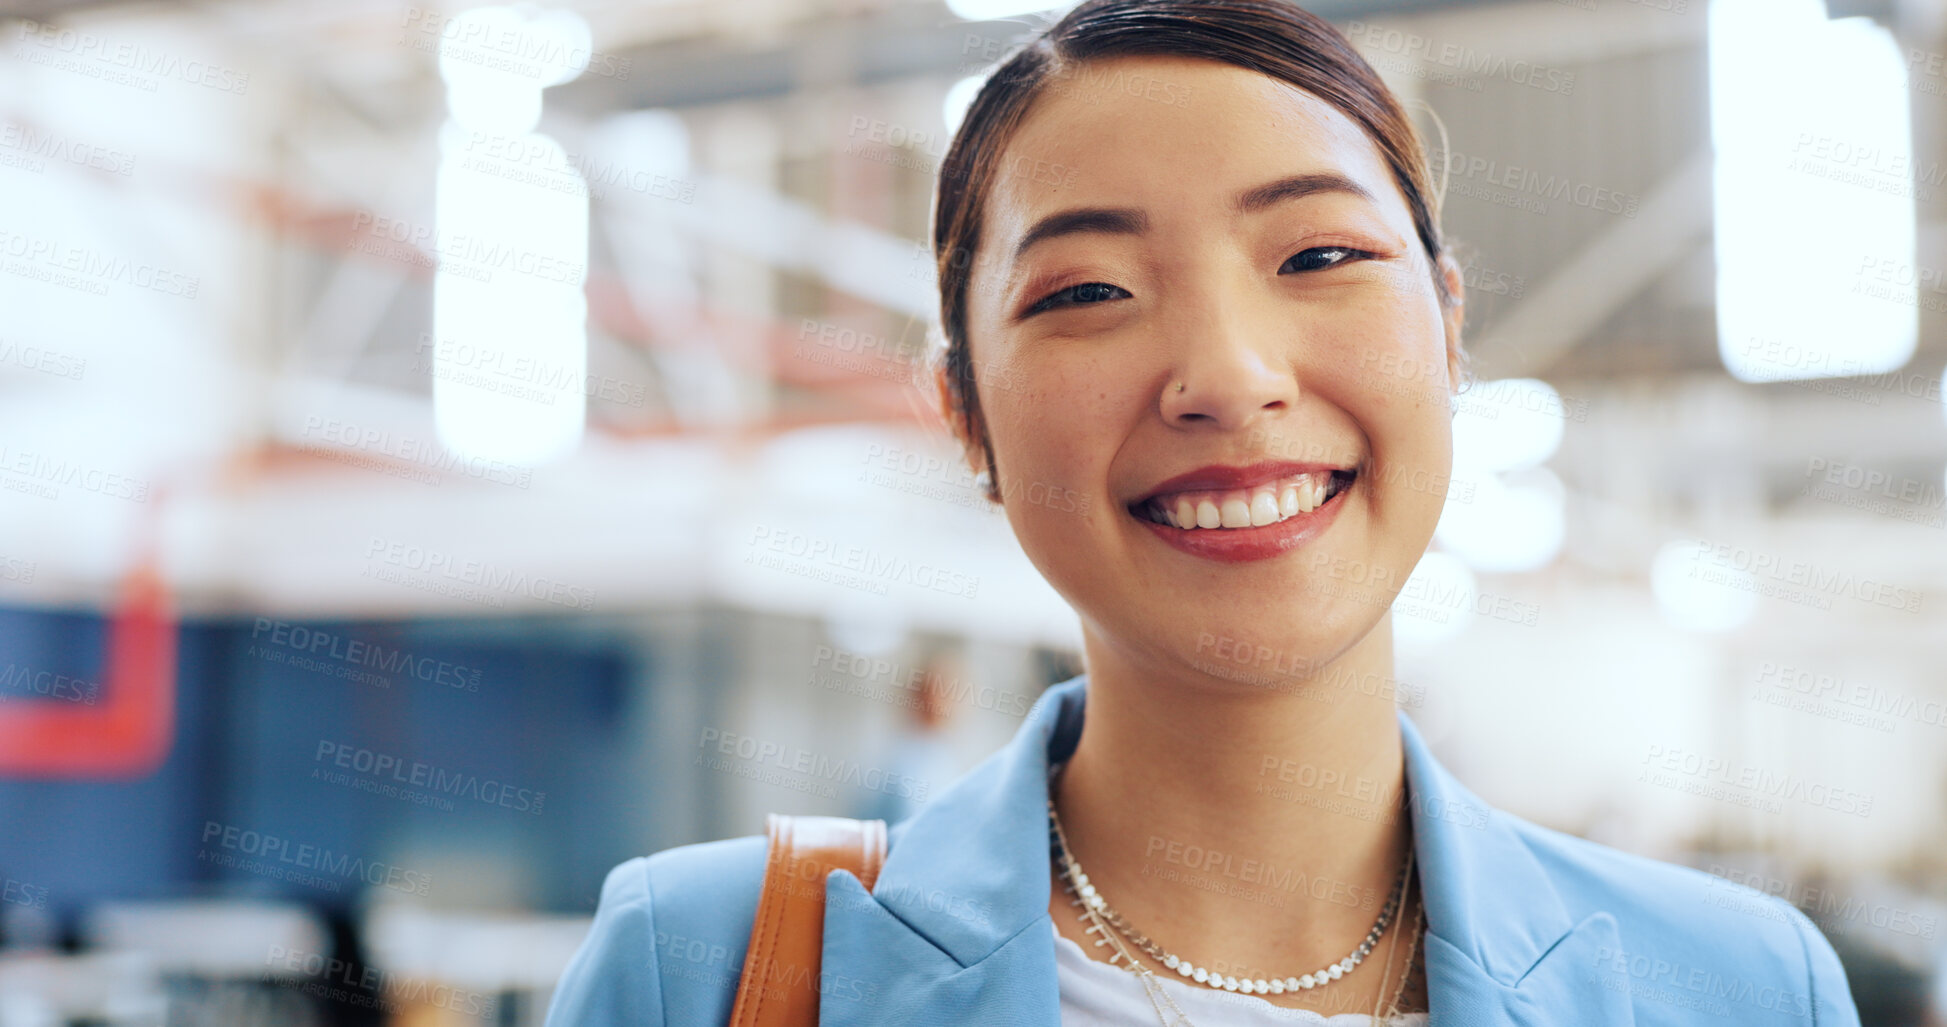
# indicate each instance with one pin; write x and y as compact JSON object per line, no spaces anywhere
{"x":1273,"y":37}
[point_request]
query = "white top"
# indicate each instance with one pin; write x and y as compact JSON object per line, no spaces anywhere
{"x":1096,"y":994}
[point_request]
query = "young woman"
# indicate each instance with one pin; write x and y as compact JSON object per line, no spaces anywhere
{"x":1191,"y":270}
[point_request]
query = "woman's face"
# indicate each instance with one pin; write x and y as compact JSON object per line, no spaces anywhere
{"x":1163,"y":221}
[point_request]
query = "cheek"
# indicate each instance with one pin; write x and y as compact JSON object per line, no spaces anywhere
{"x":1054,"y":433}
{"x":1393,"y":357}
{"x":1052,"y":425}
{"x":1392,"y":381}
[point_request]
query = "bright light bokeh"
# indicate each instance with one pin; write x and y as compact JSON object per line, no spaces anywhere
{"x":1425,"y":611}
{"x":1816,"y":274}
{"x":1507,"y":525}
{"x":510,"y":344}
{"x":496,"y":60}
{"x":1698,"y":595}
{"x":1505,"y":513}
{"x":1507,"y":424}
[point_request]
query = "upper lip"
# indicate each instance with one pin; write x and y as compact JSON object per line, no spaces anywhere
{"x":1224,"y":476}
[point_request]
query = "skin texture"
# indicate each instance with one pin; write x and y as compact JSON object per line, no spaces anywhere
{"x":1337,"y":356}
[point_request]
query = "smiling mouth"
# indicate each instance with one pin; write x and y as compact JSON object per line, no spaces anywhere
{"x":1259,"y":505}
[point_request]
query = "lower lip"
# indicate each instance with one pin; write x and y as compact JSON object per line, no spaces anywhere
{"x":1238,"y":545}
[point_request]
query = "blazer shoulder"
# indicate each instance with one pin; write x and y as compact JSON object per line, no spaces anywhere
{"x":1690,"y":935}
{"x":701,"y":889}
{"x":668,"y":939}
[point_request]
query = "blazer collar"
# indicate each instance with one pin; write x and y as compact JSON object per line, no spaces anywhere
{"x":959,"y":914}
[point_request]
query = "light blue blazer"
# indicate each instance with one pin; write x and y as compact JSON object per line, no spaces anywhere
{"x":1524,"y":925}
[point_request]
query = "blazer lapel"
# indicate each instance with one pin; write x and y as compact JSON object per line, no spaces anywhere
{"x":1501,"y":947}
{"x":958,"y":920}
{"x":957,"y":925}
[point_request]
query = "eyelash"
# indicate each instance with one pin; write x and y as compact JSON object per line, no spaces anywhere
{"x":1051,"y":301}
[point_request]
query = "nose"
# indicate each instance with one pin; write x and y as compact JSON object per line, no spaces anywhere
{"x":1231,"y":373}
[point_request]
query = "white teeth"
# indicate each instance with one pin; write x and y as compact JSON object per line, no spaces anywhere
{"x":1254,"y":508}
{"x":1264,"y":508}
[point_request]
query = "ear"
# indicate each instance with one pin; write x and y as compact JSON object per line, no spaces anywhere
{"x":956,"y":419}
{"x":1454,"y":316}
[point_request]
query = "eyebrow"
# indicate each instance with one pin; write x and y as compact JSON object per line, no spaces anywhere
{"x":1132,"y":221}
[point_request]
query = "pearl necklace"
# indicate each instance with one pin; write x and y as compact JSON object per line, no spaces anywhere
{"x":1093,"y":903}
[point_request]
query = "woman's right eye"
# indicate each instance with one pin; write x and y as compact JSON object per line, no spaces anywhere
{"x":1083,"y":294}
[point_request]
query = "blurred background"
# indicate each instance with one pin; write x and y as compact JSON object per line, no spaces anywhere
{"x":445,"y":452}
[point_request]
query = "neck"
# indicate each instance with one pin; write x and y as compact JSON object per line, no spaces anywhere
{"x":1252,"y":823}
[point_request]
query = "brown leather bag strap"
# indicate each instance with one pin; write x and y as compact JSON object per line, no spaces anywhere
{"x":779,"y":986}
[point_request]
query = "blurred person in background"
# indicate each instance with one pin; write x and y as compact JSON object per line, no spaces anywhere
{"x":921,"y":752}
{"x":1200,"y":325}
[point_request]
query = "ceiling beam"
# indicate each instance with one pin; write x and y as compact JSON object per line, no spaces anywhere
{"x":902,"y":41}
{"x":1610,"y":270}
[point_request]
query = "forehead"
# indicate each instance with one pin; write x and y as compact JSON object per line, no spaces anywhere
{"x":1165,"y":130}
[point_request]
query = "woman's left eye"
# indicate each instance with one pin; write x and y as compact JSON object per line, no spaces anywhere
{"x":1319,"y":258}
